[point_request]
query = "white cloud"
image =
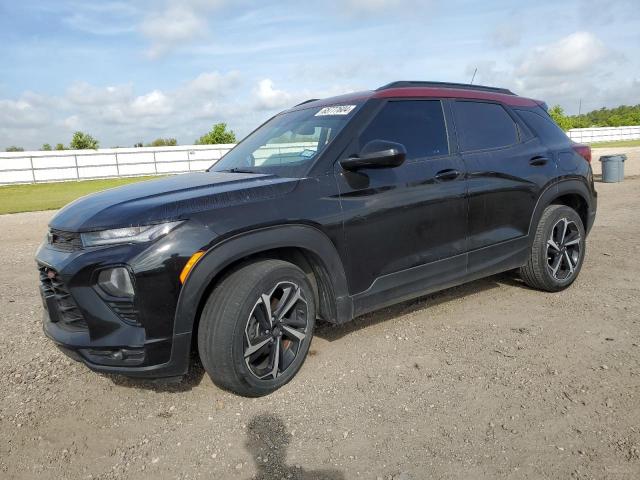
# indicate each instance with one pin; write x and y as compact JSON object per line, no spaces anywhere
{"x":118,"y":105}
{"x":170,"y":27}
{"x":573,"y":54}
{"x":112,"y":104}
{"x":180,"y":22}
{"x":115,"y":114}
{"x":568,"y":71}
{"x":21,"y":114}
{"x":154,"y":103}
{"x":213,"y":82}
{"x":82,"y":93}
{"x":270,"y":98}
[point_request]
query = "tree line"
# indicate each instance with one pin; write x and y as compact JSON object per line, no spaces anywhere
{"x":83,"y":141}
{"x":622,"y":116}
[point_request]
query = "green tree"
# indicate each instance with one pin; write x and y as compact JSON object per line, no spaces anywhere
{"x":13,"y":148}
{"x":83,"y":141}
{"x":218,"y":134}
{"x":557,"y":113}
{"x":622,"y":116}
{"x":138,"y":145}
{"x":164,"y":142}
{"x":59,"y":146}
{"x":46,"y":147}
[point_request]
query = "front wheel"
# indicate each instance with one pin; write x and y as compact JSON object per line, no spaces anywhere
{"x":256,"y":327}
{"x":558,"y":250}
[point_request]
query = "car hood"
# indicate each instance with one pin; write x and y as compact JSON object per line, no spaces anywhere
{"x":167,"y":199}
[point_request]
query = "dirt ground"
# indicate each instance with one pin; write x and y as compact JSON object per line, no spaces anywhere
{"x":487,"y":380}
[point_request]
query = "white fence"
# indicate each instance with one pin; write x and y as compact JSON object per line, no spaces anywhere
{"x":64,"y":165}
{"x":604,"y":134}
{"x":41,"y":166}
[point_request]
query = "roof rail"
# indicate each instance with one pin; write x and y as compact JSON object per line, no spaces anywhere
{"x":461,"y":86}
{"x":307,"y":101}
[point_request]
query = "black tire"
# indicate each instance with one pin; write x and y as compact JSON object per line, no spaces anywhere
{"x":547,"y":252}
{"x":236,"y":310}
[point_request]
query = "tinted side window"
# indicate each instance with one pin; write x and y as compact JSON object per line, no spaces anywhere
{"x":544,"y":127}
{"x":418,"y":125}
{"x":483,"y":125}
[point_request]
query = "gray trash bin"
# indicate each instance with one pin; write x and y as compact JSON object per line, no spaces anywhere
{"x":613,"y":168}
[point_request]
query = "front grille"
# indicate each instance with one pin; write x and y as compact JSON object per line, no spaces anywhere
{"x":65,"y":241}
{"x":67,"y":312}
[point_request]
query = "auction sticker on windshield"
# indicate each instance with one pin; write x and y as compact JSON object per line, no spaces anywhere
{"x":336,"y":110}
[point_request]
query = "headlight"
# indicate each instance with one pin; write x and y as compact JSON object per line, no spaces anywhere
{"x":128,"y":235}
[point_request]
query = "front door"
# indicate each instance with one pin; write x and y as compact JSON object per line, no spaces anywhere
{"x":397,"y":220}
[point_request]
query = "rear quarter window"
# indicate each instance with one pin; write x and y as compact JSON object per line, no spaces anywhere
{"x":482,"y":126}
{"x":544,"y":127}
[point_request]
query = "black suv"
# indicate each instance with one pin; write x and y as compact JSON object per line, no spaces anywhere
{"x":329,"y":210}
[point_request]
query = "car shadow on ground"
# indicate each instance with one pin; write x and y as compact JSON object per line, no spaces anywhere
{"x":267,"y":442}
{"x":331,"y":332}
{"x":162,"y":385}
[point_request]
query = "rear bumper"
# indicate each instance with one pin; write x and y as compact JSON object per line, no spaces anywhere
{"x":592,"y":212}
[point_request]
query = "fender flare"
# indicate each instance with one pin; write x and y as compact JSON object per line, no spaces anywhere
{"x":555,"y":190}
{"x":237,"y":247}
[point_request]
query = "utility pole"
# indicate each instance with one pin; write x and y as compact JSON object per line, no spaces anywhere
{"x":580,"y":107}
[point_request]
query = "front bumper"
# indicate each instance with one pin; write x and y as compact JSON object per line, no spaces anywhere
{"x":118,"y":359}
{"x":91,"y":329}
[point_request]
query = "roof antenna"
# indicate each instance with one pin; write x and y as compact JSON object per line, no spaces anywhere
{"x":474,"y":76}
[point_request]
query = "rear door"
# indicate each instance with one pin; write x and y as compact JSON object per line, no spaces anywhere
{"x":507,"y":169}
{"x":399,"y":219}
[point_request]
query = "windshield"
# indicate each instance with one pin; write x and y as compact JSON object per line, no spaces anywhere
{"x":289,"y":143}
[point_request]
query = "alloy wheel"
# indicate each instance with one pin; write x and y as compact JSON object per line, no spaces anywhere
{"x":275,"y":330}
{"x":564,"y":249}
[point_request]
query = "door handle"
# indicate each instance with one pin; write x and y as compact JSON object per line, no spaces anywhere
{"x":538,"y":161}
{"x":447,"y":174}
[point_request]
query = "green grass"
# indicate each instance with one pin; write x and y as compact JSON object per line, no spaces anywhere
{"x":50,"y":196}
{"x":618,"y":143}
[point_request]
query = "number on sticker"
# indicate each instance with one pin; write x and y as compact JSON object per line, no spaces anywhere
{"x":336,"y":110}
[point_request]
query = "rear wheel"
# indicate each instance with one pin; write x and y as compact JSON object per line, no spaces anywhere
{"x":558,"y":250}
{"x":256,"y":327}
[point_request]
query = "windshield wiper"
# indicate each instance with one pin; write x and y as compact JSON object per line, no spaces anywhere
{"x":238,"y":170}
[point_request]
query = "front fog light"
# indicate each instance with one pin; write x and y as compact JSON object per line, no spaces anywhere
{"x":116,"y":282}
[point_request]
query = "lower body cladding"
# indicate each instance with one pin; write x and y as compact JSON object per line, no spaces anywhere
{"x":129,"y":333}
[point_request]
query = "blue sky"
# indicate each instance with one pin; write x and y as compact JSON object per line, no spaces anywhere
{"x":134,"y":71}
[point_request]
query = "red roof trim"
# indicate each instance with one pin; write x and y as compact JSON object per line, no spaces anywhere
{"x":428,"y":92}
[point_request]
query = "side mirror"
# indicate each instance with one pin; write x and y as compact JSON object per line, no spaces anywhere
{"x":376,"y":154}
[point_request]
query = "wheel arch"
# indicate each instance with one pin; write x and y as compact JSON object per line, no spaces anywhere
{"x":572,"y":193}
{"x":303,"y":245}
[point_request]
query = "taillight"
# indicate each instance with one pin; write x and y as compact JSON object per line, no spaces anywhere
{"x":583,"y":150}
